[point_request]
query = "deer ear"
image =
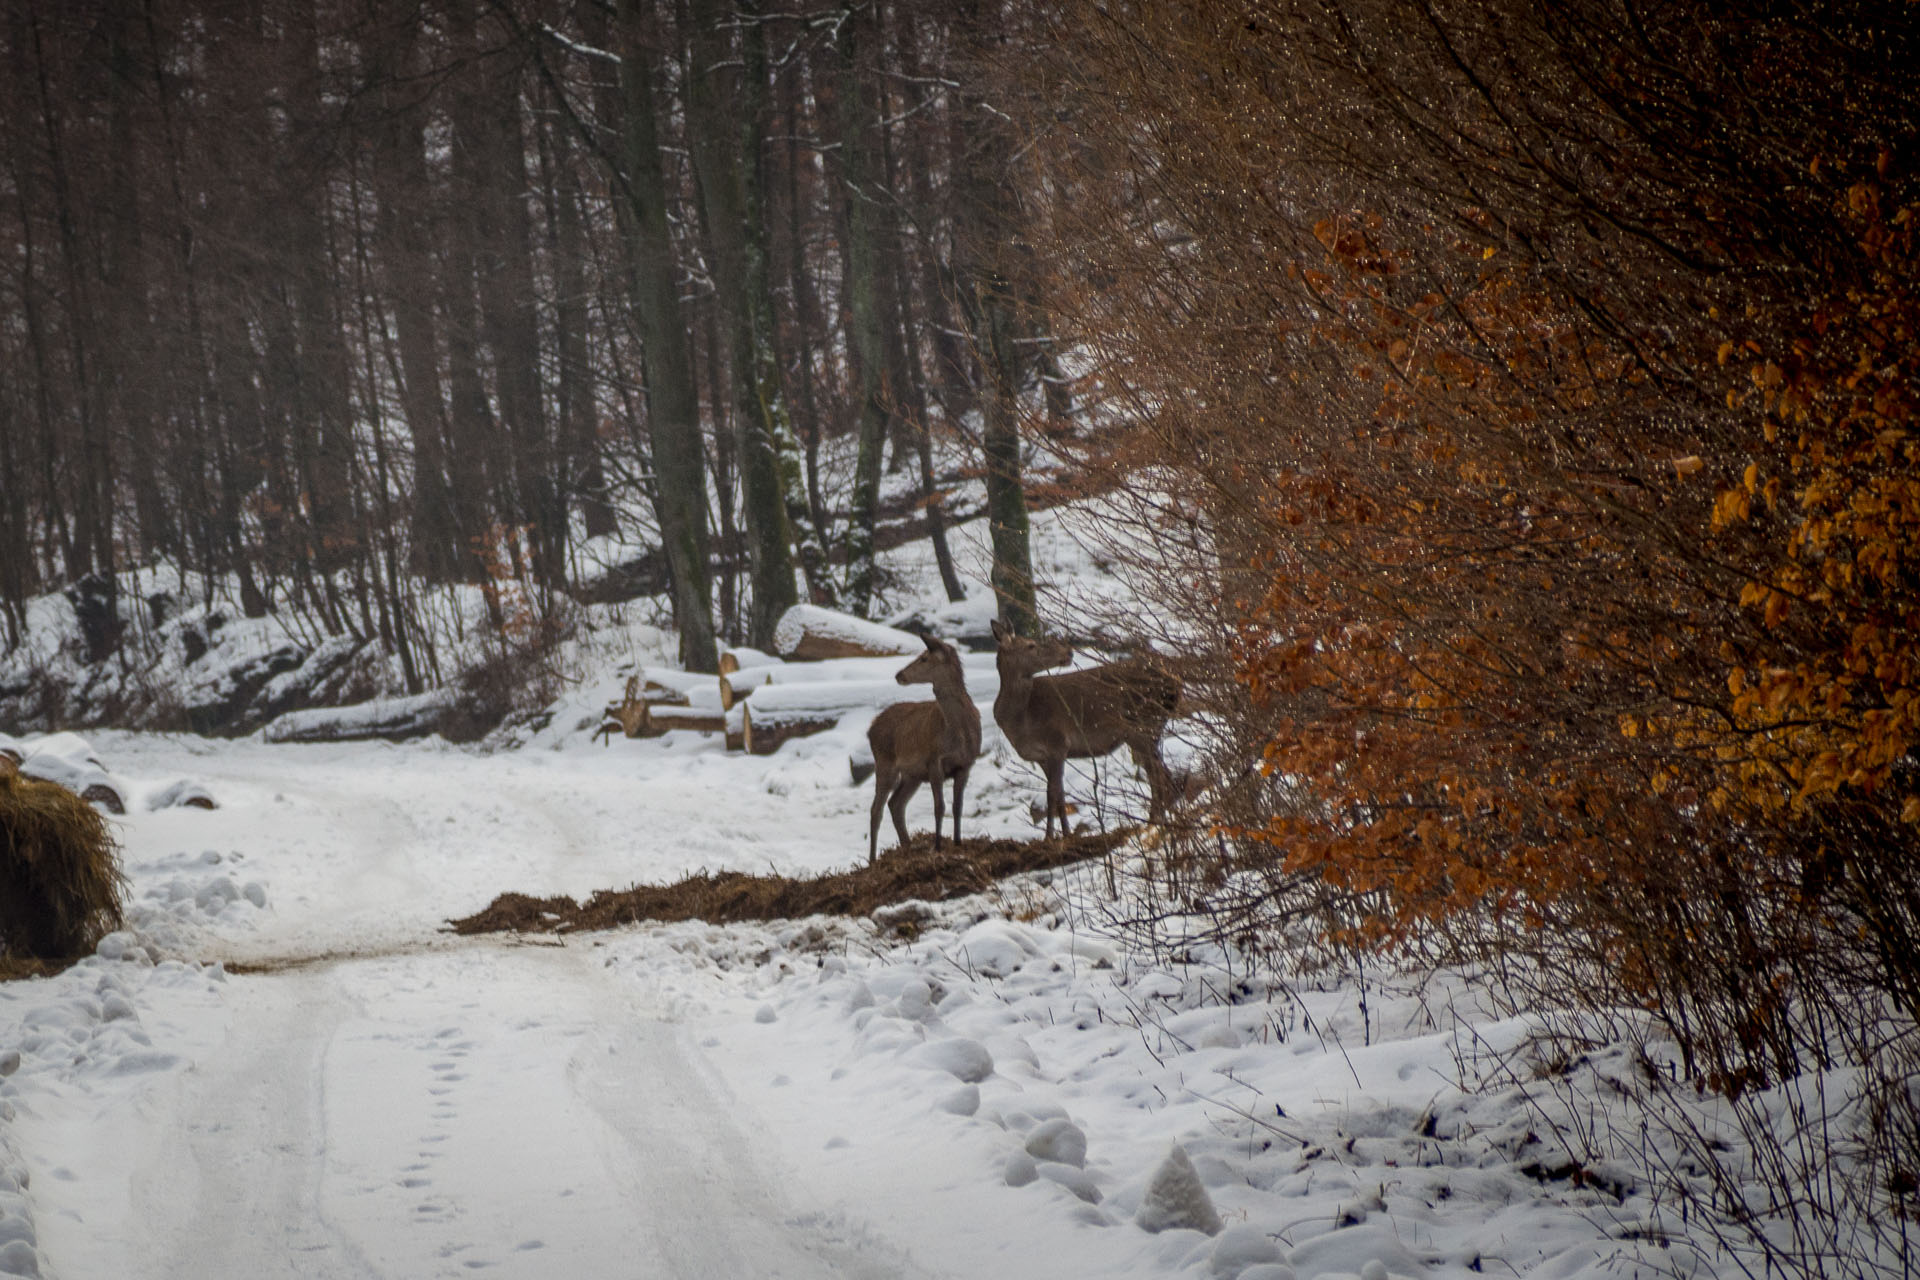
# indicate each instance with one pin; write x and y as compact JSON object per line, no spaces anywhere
{"x":999,"y":630}
{"x":933,"y":644}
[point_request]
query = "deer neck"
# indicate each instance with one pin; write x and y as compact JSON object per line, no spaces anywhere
{"x":1016,"y":690}
{"x":955,"y":702}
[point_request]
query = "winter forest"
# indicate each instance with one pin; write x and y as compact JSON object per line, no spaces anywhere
{"x":1499,"y":423}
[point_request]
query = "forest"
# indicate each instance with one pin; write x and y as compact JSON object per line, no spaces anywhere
{"x":337,"y":303}
{"x":1519,"y":402}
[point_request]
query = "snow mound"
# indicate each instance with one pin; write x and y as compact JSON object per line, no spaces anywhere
{"x":1177,"y":1199}
{"x":1244,"y":1246}
{"x":968,"y":1060}
{"x":1059,"y":1140}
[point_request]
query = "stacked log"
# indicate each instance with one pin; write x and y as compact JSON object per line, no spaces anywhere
{"x":808,"y":633}
{"x":633,"y":715}
{"x":778,"y":713}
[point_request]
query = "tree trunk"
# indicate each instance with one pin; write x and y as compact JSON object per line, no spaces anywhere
{"x":405,"y":199}
{"x":987,"y":229}
{"x":673,"y":404}
{"x":729,"y":164}
{"x":865,"y":318}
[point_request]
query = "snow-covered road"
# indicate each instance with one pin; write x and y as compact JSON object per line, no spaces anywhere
{"x":485,"y":1107}
{"x":377,"y":1098}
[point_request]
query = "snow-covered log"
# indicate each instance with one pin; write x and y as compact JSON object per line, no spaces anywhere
{"x":665,"y":719}
{"x":630,"y":715}
{"x":982,"y":680}
{"x":808,"y":633}
{"x":740,"y":656}
{"x":391,"y":718}
{"x":778,"y":713}
{"x":68,"y":759}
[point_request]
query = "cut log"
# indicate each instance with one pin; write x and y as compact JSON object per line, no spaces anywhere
{"x":779,"y":713}
{"x":656,"y":694}
{"x":736,"y":685}
{"x":765,"y":734}
{"x":741,"y":656}
{"x":665,"y":719}
{"x":662,"y":720}
{"x":683,"y":683}
{"x":808,"y":633}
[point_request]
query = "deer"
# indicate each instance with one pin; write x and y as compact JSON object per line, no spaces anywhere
{"x":1081,"y":715}
{"x":916,"y":742}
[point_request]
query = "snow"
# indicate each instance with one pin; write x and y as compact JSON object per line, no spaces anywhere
{"x":285,"y":1065}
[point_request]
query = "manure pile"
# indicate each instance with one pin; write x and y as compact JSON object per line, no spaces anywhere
{"x":913,"y":872}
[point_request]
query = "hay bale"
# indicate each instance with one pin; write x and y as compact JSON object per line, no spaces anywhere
{"x":60,"y":881}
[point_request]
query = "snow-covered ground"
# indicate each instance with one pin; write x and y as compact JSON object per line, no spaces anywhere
{"x":287,"y":1067}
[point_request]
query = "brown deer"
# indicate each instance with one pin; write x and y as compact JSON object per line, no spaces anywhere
{"x":1080,"y":715}
{"x":916,"y":742}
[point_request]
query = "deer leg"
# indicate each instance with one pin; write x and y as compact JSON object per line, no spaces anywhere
{"x":1146,"y":754}
{"x":959,"y":789}
{"x":939,"y":804}
{"x":898,"y":805}
{"x":1057,"y":795}
{"x":882,"y":788}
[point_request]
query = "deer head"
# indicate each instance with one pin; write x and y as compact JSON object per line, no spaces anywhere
{"x":1019,"y":655}
{"x":938,"y":661}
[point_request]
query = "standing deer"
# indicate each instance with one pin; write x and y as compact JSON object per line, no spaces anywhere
{"x":1053,"y":719}
{"x":916,"y":742}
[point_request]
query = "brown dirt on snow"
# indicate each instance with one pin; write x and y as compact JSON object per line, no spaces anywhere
{"x":915,"y":871}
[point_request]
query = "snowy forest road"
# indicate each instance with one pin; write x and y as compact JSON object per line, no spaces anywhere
{"x":380,"y":1099}
{"x":487,"y":1108}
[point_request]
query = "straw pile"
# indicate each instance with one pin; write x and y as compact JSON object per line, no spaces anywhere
{"x":60,"y":881}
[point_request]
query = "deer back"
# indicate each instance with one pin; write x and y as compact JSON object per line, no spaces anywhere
{"x":1094,"y":711}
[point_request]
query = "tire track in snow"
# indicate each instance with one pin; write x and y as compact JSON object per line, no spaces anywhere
{"x":476,"y":1110}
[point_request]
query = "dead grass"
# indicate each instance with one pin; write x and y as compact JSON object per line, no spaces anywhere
{"x":915,"y":872}
{"x":60,"y":881}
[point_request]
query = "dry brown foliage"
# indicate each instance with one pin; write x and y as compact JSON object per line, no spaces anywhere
{"x":60,"y":881}
{"x":1538,"y":386}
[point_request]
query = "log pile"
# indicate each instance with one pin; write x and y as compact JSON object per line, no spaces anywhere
{"x":829,"y":666}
